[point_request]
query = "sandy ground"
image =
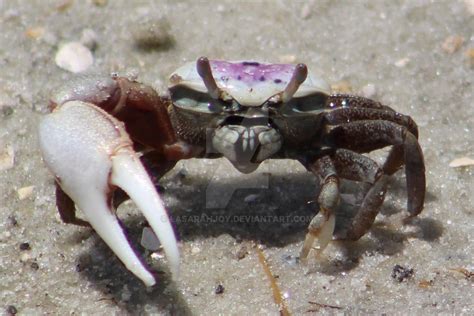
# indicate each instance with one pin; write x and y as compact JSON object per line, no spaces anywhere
{"x":391,"y":50}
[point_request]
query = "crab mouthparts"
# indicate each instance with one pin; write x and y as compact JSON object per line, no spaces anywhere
{"x":246,"y":146}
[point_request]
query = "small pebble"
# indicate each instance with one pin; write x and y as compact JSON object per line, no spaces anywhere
{"x":34,"y":265}
{"x":402,"y":62}
{"x":25,"y":192}
{"x":11,"y":310}
{"x":153,"y":35}
{"x":25,"y":246}
{"x":242,"y":253}
{"x":195,"y":250}
{"x":461,"y":162}
{"x":452,"y":43}
{"x":6,"y":110}
{"x":7,"y":157}
{"x":401,"y":273}
{"x":469,"y":6}
{"x":35,"y":32}
{"x":149,"y":240}
{"x":424,"y":284}
{"x":157,"y":256}
{"x":12,"y":220}
{"x":25,"y":256}
{"x":219,"y":289}
{"x":290,"y":260}
{"x":74,"y":57}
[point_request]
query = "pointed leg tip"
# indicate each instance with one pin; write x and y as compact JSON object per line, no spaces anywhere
{"x":414,"y":208}
{"x":408,"y":220}
{"x":320,"y":231}
{"x":307,"y":245}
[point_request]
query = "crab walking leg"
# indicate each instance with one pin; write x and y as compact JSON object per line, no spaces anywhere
{"x":356,"y":167}
{"x":89,"y":151}
{"x":321,"y":227}
{"x":355,"y":111}
{"x":362,"y":136}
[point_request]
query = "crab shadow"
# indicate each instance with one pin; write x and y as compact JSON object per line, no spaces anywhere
{"x":383,"y":240}
{"x":276,"y":214}
{"x":383,"y":237}
{"x":120,"y":287}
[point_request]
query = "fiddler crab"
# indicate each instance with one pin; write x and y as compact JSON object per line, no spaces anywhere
{"x":244,"y":111}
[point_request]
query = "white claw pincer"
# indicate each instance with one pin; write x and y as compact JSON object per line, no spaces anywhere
{"x":90,"y":153}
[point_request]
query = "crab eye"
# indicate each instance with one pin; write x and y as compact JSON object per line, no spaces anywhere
{"x":232,"y":106}
{"x":214,"y":106}
{"x":309,"y":104}
{"x":203,"y":106}
{"x":196,"y":101}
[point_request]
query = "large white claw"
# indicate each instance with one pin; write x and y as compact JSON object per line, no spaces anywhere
{"x":90,"y":153}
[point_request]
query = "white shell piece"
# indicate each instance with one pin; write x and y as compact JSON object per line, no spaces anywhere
{"x":249,"y":83}
{"x":86,"y":148}
{"x":74,"y":57}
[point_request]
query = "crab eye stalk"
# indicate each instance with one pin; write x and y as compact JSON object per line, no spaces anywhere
{"x":299,"y":76}
{"x":204,"y":70}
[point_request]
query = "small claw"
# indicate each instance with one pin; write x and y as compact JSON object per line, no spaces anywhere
{"x":90,"y":153}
